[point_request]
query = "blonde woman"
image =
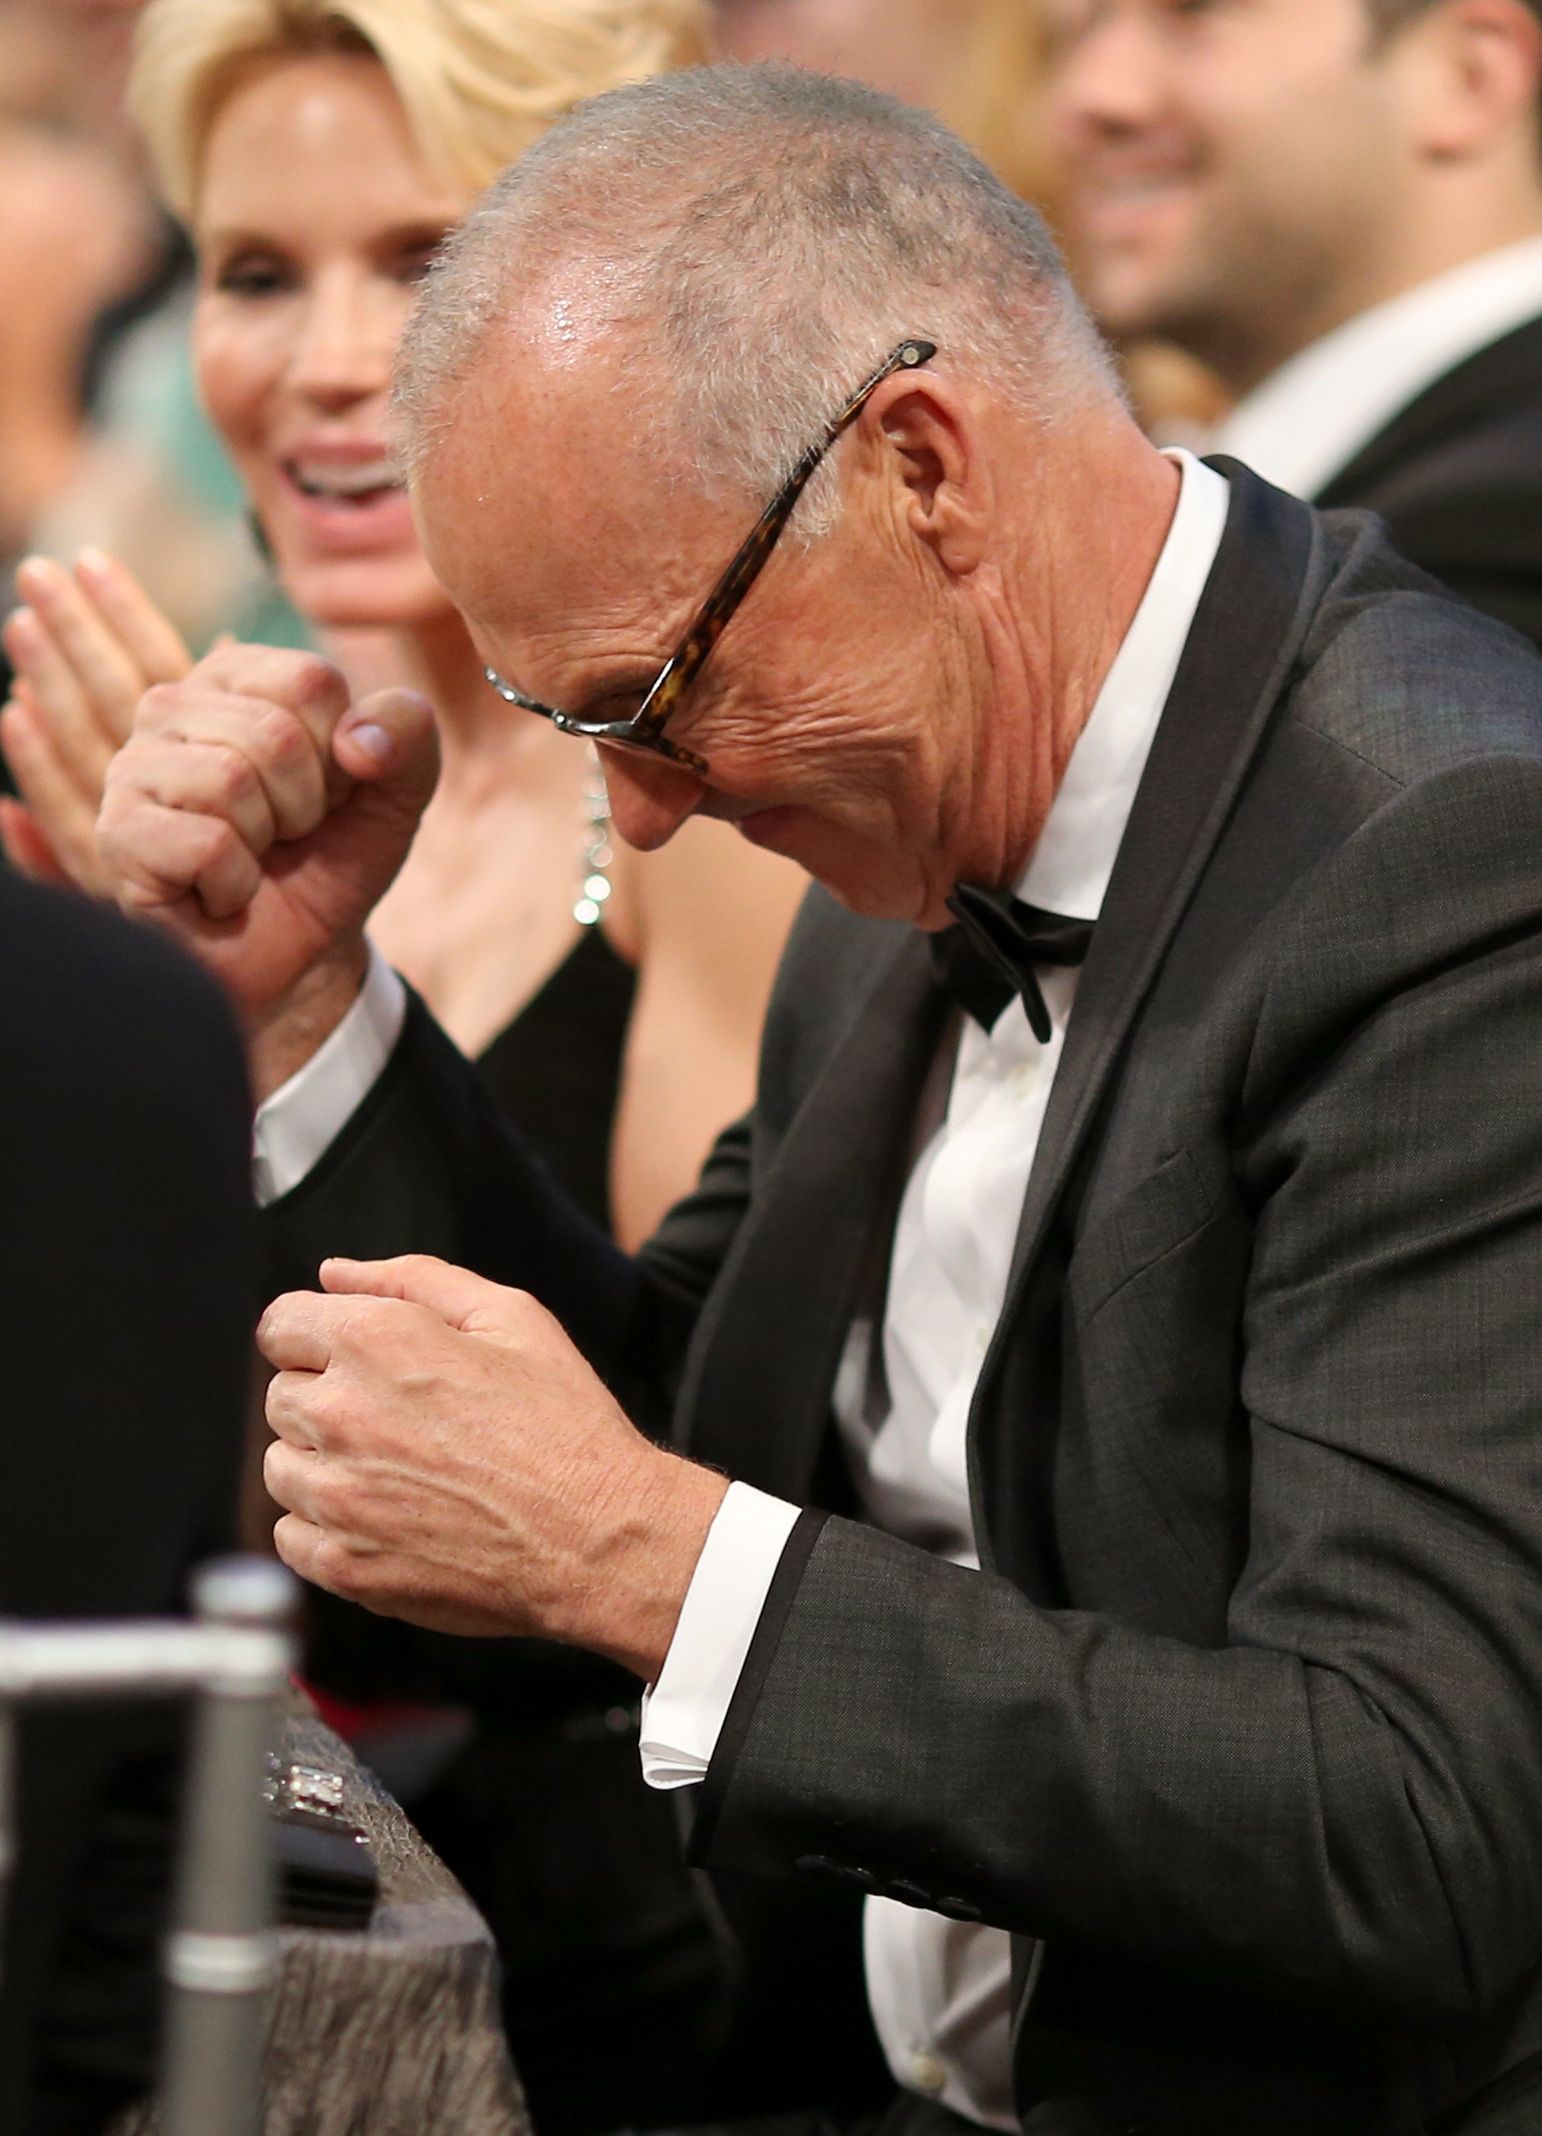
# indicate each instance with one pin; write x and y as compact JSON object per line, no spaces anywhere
{"x":319,"y":150}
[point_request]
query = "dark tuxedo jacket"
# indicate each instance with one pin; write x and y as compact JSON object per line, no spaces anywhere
{"x":1239,"y":1731}
{"x":127,"y":1281}
{"x":1457,"y":476}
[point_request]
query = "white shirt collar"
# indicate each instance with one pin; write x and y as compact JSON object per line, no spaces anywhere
{"x":1079,"y":843}
{"x":1315,"y":413}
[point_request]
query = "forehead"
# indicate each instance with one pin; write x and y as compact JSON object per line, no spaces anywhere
{"x":320,"y":135}
{"x":546,"y":498}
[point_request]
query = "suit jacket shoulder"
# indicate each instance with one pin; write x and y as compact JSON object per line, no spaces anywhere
{"x":1457,"y":476}
{"x":1410,"y":681}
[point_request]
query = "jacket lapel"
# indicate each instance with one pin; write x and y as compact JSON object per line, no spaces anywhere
{"x":756,"y":1396}
{"x":1247,"y":631}
{"x":1246,"y":634}
{"x":1502,"y":375}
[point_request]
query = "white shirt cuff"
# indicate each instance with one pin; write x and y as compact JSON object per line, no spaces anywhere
{"x":298,"y":1125}
{"x":682,"y":1714}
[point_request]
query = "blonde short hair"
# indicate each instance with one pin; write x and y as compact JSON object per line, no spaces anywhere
{"x":478,"y":79}
{"x":993,"y":91}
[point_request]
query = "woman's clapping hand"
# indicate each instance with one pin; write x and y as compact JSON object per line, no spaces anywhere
{"x":86,"y":645}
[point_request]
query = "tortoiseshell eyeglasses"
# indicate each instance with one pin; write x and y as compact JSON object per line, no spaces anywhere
{"x":644,"y":729}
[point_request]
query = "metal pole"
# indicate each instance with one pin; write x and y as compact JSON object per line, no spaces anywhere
{"x":221,"y":1957}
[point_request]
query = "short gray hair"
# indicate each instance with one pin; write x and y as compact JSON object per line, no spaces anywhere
{"x":771,"y":234}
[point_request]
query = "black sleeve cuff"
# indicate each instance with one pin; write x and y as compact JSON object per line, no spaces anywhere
{"x":757,"y":1663}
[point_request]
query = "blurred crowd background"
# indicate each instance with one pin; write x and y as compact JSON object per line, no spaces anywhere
{"x":102,"y":440}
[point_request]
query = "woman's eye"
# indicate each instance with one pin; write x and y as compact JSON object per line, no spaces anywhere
{"x":252,"y":277}
{"x":414,"y":263}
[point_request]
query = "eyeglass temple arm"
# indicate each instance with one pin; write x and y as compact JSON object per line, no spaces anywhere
{"x":766,"y":532}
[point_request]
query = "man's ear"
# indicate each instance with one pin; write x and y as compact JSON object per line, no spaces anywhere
{"x":927,"y":435}
{"x":1480,"y":69}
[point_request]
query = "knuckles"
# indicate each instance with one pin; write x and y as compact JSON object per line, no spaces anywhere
{"x":310,"y":1409}
{"x":314,"y":685}
{"x":315,"y":1556}
{"x":331,"y":1500}
{"x":339,"y":1569}
{"x":234,"y":780}
{"x":279,"y":1320}
{"x":211,"y":843}
{"x":121,"y":781}
{"x":280,"y":741}
{"x":524,"y":1317}
{"x":366,"y":1330}
{"x":310,"y":1487}
{"x":287,"y":686}
{"x":165,"y":704}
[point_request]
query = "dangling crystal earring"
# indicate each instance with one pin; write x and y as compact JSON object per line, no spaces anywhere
{"x":597,"y":850}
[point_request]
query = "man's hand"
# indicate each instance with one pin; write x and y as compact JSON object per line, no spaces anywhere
{"x":259,"y":814}
{"x":447,"y":1456}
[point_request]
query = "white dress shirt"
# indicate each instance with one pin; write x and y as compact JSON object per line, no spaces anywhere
{"x":1310,"y":418}
{"x":297,"y":1125}
{"x":940,"y":1990}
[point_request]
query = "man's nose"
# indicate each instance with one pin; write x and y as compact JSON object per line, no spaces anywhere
{"x":649,"y":797}
{"x":1105,"y":74}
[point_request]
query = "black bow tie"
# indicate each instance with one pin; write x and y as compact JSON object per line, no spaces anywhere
{"x":990,"y":955}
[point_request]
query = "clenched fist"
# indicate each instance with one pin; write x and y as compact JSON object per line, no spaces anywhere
{"x":446,"y":1455}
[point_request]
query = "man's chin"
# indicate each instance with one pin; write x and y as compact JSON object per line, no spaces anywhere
{"x":1128,"y":305}
{"x":1135,"y":294}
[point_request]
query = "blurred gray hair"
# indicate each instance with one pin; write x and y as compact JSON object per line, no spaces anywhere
{"x":764,"y":237}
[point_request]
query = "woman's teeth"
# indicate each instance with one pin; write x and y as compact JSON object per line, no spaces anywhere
{"x":362,"y":480}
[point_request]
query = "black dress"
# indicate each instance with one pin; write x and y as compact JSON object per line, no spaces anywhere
{"x":613,"y":1977}
{"x":556,"y":1069}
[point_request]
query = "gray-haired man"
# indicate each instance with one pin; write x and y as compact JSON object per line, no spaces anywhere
{"x":1153,"y":1333}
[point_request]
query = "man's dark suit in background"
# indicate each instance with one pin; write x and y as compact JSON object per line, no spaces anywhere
{"x":1237,"y":1729}
{"x":1344,"y":224}
{"x":1457,"y":476}
{"x":126,"y":1290}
